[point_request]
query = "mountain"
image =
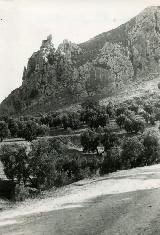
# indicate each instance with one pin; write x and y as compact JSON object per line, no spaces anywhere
{"x":99,"y":67}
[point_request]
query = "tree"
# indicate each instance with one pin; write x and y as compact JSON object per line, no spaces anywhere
{"x":4,"y":131}
{"x":94,"y":116}
{"x":90,"y":141}
{"x":43,"y":164}
{"x":151,"y":147}
{"x":30,"y":131}
{"x":15,"y":162}
{"x":134,"y":125}
{"x":132,"y":152}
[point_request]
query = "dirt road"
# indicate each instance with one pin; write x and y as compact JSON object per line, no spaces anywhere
{"x":126,"y":202}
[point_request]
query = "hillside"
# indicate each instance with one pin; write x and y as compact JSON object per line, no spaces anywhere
{"x":101,"y":67}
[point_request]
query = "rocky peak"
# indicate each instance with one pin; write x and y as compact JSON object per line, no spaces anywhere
{"x":47,"y":43}
{"x":68,"y":49}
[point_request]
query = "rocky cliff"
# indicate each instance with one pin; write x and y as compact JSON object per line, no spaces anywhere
{"x":100,"y":66}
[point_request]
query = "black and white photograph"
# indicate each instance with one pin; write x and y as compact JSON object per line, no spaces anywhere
{"x":79,"y":117}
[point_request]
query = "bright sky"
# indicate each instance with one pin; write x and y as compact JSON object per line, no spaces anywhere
{"x":25,"y":23}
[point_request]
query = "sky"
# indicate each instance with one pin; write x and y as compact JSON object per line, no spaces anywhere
{"x":25,"y":23}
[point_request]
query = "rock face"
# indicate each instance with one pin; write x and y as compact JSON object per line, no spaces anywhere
{"x":99,"y":66}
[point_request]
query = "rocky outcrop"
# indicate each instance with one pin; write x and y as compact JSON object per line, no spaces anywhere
{"x":99,"y":66}
{"x":144,"y":42}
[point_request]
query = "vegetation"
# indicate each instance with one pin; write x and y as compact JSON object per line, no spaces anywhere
{"x":51,"y":162}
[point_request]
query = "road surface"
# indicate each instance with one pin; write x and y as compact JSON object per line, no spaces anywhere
{"x":124,"y":203}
